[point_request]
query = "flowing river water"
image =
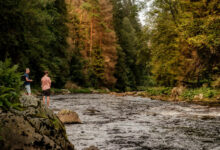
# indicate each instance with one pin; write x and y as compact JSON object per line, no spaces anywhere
{"x":135,"y":123}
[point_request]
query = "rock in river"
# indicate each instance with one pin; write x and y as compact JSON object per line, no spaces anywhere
{"x":33,"y":127}
{"x":91,"y":148}
{"x":68,"y":117}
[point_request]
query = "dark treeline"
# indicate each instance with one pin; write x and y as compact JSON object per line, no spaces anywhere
{"x":133,"y":53}
{"x":101,"y":43}
{"x":91,"y":43}
{"x":33,"y":34}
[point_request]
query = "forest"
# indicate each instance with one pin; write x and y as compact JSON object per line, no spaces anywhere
{"x":119,"y":81}
{"x":101,"y":43}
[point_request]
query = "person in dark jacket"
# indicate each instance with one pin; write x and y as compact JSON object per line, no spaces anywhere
{"x":27,"y":82}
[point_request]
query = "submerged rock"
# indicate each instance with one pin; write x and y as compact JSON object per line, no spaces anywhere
{"x":33,"y":127}
{"x":91,"y":148}
{"x":68,"y":117}
{"x":91,"y":111}
{"x":65,"y":91}
{"x":198,"y":97}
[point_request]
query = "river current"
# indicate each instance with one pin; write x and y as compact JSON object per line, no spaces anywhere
{"x":135,"y":123}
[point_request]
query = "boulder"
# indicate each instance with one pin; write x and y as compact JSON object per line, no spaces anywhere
{"x":32,"y":127}
{"x":107,"y":90}
{"x":71,"y":85}
{"x":68,"y":117}
{"x":200,"y":97}
{"x":94,"y":91}
{"x":65,"y":91}
{"x":176,"y":92}
{"x":28,"y":101}
{"x":91,"y":148}
{"x":112,"y":93}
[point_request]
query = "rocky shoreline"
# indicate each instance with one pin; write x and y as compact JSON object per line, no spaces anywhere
{"x":200,"y":101}
{"x":32,"y":127}
{"x":175,"y":95}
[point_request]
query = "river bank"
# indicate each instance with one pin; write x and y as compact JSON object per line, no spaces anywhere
{"x":204,"y":101}
{"x":202,"y":96}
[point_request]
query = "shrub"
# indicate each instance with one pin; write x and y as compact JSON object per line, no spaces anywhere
{"x":216,"y":83}
{"x":10,"y":85}
{"x":83,"y":90}
{"x":56,"y":91}
{"x":8,"y":98}
{"x":154,"y":91}
{"x":191,"y":93}
{"x":9,"y":76}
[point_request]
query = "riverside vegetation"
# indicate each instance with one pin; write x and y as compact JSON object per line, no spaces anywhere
{"x":101,"y":44}
{"x":25,"y":120}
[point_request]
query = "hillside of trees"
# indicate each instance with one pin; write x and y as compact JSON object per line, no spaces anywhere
{"x":185,"y":42}
{"x":101,"y":43}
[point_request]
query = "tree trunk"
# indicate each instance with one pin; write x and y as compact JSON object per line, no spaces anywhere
{"x":100,"y":40}
{"x":91,"y":37}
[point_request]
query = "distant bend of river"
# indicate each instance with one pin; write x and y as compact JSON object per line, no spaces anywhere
{"x":135,"y":123}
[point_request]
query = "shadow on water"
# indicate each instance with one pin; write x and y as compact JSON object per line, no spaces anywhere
{"x":135,"y":123}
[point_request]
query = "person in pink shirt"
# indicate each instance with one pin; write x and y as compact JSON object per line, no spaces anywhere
{"x":45,"y":85}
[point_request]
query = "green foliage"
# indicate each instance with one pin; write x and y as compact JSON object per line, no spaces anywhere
{"x":10,"y":84}
{"x":9,"y":77}
{"x":121,"y":71}
{"x":185,"y":42}
{"x":33,"y":35}
{"x":128,"y":43}
{"x":96,"y":69}
{"x":56,"y":123}
{"x":133,"y":68}
{"x":8,"y":98}
{"x":191,"y":93}
{"x":216,"y":83}
{"x":56,"y":91}
{"x":81,"y":90}
{"x":76,"y":70}
{"x":155,"y":91}
{"x":179,"y":45}
{"x":102,"y":90}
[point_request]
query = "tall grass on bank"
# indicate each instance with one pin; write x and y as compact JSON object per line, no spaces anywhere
{"x":189,"y":94}
{"x":155,"y":91}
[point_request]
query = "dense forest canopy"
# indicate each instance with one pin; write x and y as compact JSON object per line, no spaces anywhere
{"x":185,"y":42}
{"x":101,"y":43}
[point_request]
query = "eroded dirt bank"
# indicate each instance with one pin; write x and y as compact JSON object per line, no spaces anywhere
{"x":135,"y":123}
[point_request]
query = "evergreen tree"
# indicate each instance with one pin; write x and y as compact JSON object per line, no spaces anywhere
{"x":132,"y":43}
{"x":33,"y":34}
{"x":92,"y":35}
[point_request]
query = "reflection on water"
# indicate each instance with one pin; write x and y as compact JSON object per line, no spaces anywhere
{"x":134,"y":123}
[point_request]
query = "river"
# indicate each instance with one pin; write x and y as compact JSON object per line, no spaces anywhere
{"x":135,"y":123}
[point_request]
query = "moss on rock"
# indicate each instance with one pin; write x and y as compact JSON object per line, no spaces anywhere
{"x":36,"y":127}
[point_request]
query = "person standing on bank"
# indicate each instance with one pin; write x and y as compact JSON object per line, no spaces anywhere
{"x":27,"y":82}
{"x":45,"y":85}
